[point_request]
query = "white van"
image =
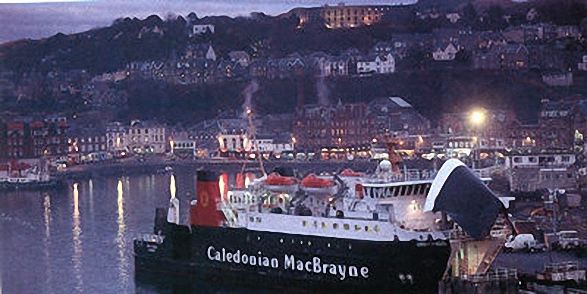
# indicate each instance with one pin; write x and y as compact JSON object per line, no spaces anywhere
{"x":521,"y":242}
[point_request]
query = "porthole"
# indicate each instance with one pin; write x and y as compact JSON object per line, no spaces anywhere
{"x":335,"y":226}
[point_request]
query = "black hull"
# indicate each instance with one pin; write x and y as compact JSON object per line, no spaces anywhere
{"x":358,"y":265}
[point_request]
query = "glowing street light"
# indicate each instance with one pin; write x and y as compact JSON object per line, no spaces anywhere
{"x":477,"y":117}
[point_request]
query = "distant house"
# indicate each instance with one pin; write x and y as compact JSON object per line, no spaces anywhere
{"x":453,"y":17}
{"x":336,"y":66}
{"x":558,"y":78}
{"x":201,"y":50}
{"x":380,"y":64}
{"x":200,"y":29}
{"x":445,"y":51}
{"x":383,"y":48}
{"x":512,"y":56}
{"x":242,"y":57}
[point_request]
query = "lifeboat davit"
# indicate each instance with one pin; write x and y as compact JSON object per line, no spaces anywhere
{"x":350,"y":173}
{"x":313,"y":184}
{"x":278,"y":183}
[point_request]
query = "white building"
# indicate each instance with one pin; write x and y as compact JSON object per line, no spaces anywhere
{"x":380,"y":64}
{"x":200,"y":29}
{"x":445,"y":52}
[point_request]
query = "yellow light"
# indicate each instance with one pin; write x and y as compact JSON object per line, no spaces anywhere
{"x":477,"y":117}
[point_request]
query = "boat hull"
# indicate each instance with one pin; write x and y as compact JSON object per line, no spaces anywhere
{"x":292,"y":260}
{"x":32,"y":186}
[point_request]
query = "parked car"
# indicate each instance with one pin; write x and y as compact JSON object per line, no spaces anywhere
{"x":568,"y":240}
{"x":522,"y":242}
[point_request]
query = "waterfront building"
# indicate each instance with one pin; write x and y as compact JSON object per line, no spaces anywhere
{"x":556,"y":125}
{"x":533,"y":170}
{"x":394,"y":115}
{"x":87,"y":144}
{"x":28,"y":138}
{"x":334,"y":131}
{"x":182,"y":145}
{"x":147,"y":137}
{"x":116,"y":139}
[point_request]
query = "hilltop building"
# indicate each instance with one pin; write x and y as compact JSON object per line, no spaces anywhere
{"x":342,"y":16}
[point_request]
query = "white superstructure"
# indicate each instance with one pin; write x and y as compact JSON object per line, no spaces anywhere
{"x":378,"y":207}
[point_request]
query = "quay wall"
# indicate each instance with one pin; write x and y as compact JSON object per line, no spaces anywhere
{"x":146,"y":167}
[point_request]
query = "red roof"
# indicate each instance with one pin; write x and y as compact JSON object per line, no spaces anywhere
{"x":37,"y":124}
{"x":14,"y":165}
{"x":15,"y":126}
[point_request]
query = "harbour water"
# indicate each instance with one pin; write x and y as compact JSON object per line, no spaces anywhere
{"x":79,"y":240}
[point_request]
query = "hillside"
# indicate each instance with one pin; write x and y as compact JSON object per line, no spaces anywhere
{"x":431,"y":91}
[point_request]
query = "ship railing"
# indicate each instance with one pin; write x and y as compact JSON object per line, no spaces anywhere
{"x":561,"y":266}
{"x":228,"y":213}
{"x":498,"y":274}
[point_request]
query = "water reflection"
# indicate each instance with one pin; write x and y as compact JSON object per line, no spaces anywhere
{"x":91,"y":197}
{"x":47,"y":243}
{"x":67,"y":255}
{"x":77,"y":241}
{"x":120,"y":240}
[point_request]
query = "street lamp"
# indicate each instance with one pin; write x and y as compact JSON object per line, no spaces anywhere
{"x":477,"y":120}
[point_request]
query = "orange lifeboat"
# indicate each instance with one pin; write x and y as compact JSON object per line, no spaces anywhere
{"x":313,"y":184}
{"x":278,"y":183}
{"x":350,"y":173}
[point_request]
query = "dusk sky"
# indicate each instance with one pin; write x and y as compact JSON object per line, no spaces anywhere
{"x":39,"y":19}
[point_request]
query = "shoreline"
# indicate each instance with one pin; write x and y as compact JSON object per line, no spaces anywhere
{"x":154,"y":166}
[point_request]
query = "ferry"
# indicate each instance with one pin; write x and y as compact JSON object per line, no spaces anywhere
{"x":347,"y":232}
